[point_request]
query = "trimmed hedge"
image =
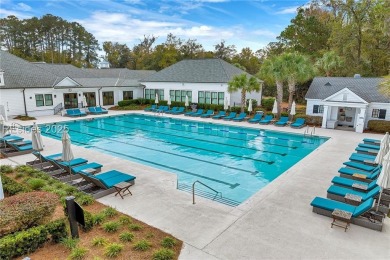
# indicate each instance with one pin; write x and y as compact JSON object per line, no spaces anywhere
{"x":310,"y":120}
{"x":267,"y":103}
{"x":210,"y":106}
{"x":26,"y":210}
{"x":57,"y":229}
{"x":12,"y":187}
{"x":378,"y":126}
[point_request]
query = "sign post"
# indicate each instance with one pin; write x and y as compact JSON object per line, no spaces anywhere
{"x":75,"y":215}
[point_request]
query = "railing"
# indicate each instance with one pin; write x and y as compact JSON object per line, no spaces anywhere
{"x":58,"y":108}
{"x":193,"y":190}
{"x":312,"y":132}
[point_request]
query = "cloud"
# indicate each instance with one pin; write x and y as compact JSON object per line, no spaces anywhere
{"x":23,"y":7}
{"x":288,"y":10}
{"x":261,"y":32}
{"x":5,"y":13}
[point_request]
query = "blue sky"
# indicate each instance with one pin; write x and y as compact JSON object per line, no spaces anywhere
{"x":242,"y":23}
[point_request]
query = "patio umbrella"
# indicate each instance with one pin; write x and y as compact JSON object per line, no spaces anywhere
{"x":275,"y":108}
{"x":292,"y":111}
{"x":226,"y":104}
{"x":169,"y":101}
{"x":67,"y":154}
{"x":156,"y":99}
{"x":1,"y":190}
{"x":36,"y":138}
{"x":384,"y":180}
{"x":187,"y":103}
{"x":85,"y":104}
{"x":250,"y":109}
{"x":2,"y":127}
{"x":384,"y":148}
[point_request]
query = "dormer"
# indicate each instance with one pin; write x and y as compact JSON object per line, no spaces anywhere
{"x":2,"y":78}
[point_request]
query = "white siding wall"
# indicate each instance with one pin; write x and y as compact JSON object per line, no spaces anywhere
{"x":377,"y":106}
{"x":309,"y":106}
{"x":12,"y":100}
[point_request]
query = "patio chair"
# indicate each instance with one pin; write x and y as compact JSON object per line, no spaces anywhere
{"x":208,"y":114}
{"x":240,"y":117}
{"x":267,"y":119}
{"x":354,"y":184}
{"x":180,"y":110}
{"x":220,"y":115}
{"x":151,"y":108}
{"x":256,"y":119}
{"x":173,"y":109}
{"x":11,"y":138}
{"x":92,"y":110}
{"x":157,"y":108}
{"x":363,"y":158}
{"x":94,"y":167}
{"x":299,"y":123}
{"x":14,"y":150}
{"x":199,"y":112}
{"x":360,"y":166}
{"x":101,"y":110}
{"x":230,"y":116}
{"x":192,"y":112}
{"x":282,"y":121}
{"x":365,"y":176}
{"x":369,"y":146}
{"x":372,"y":141}
{"x":365,"y":150}
{"x":362,"y":215}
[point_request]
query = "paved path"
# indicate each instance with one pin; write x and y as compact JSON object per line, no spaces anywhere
{"x":276,"y":223}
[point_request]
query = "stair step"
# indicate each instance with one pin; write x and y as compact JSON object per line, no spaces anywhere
{"x":208,"y":195}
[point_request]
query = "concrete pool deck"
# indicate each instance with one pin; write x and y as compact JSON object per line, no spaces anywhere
{"x":276,"y":223}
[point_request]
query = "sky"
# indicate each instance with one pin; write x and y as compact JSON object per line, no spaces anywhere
{"x":242,"y":23}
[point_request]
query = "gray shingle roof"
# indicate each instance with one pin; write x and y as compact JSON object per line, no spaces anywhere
{"x":19,"y":73}
{"x":121,"y":73}
{"x":197,"y":71}
{"x":366,"y":88}
{"x":65,"y":70}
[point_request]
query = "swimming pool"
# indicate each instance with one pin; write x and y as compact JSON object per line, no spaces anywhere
{"x":235,"y":161}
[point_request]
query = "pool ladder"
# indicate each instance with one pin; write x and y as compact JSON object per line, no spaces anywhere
{"x":307,"y":130}
{"x":193,"y":190}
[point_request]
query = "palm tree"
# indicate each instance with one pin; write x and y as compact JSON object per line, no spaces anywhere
{"x":272,"y":72}
{"x":297,"y":69}
{"x":245,"y":84}
{"x":330,"y":62}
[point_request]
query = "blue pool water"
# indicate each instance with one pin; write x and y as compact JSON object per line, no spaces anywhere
{"x":235,"y":161}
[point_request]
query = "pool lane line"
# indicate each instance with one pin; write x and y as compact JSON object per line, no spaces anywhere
{"x":151,"y":131}
{"x":216,"y":129}
{"x":183,"y":156}
{"x":232,"y":186}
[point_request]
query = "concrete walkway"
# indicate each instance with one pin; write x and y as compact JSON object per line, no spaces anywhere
{"x":276,"y":223}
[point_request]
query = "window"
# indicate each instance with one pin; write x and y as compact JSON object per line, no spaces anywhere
{"x":39,"y":100}
{"x":108,"y":98}
{"x":151,"y":94}
{"x":379,"y":113}
{"x":180,"y":95}
{"x":318,"y":109}
{"x":206,"y":97}
{"x":43,"y":100}
{"x":127,"y":95}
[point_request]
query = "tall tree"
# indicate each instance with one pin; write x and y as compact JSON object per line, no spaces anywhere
{"x":329,"y":63}
{"x":248,"y":60}
{"x":224,"y":51}
{"x":384,"y":86}
{"x":245,"y":84}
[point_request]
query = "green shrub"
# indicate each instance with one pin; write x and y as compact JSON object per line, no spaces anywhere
{"x":78,"y":253}
{"x":12,"y":187}
{"x":25,"y":210}
{"x":111,"y":226}
{"x":124,"y":220}
{"x":35,"y":183}
{"x":110,"y":212}
{"x":126,"y":236}
{"x":142,"y":245}
{"x":69,"y":242}
{"x":98,"y":219}
{"x":6,"y":169}
{"x":113,"y":250}
{"x":57,"y":229}
{"x":267,"y":103}
{"x":168,"y":242}
{"x":310,"y":120}
{"x":254,"y":102}
{"x":163,"y":254}
{"x":89,"y":221}
{"x":149,"y":235}
{"x":124,"y":103}
{"x":85,"y":199}
{"x":99,"y":241}
{"x":23,"y":242}
{"x":135,"y":227}
{"x":378,"y":126}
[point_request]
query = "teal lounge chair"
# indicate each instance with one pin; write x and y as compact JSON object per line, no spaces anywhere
{"x":12,"y":149}
{"x":267,"y":119}
{"x":199,"y":112}
{"x":11,"y":138}
{"x":208,"y":114}
{"x":372,"y":141}
{"x":365,"y":150}
{"x":192,"y":112}
{"x":82,"y":168}
{"x":369,"y":146}
{"x":156,"y":109}
{"x":92,"y":110}
{"x":360,"y":166}
{"x":256,"y":119}
{"x":180,"y":110}
{"x":363,"y":158}
{"x":282,"y":121}
{"x":220,"y":115}
{"x":101,"y":110}
{"x":151,"y":108}
{"x":299,"y":123}
{"x":230,"y":116}
{"x":173,"y":109}
{"x":240,"y":117}
{"x":365,"y":176}
{"x":361,"y":215}
{"x":354,"y":184}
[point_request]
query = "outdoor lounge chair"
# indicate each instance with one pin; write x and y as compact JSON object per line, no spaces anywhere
{"x":95,"y":167}
{"x":372,"y":141}
{"x":360,"y":166}
{"x":155,"y":109}
{"x":220,"y":115}
{"x":369,"y":146}
{"x":92,"y":110}
{"x":75,"y":112}
{"x":362,"y":215}
{"x":180,"y":110}
{"x":240,"y":117}
{"x":299,"y":123}
{"x":209,"y":113}
{"x":13,"y":150}
{"x":173,"y":109}
{"x":230,"y":116}
{"x":199,"y":112}
{"x":151,"y":108}
{"x":359,"y":174}
{"x":282,"y":121}
{"x":256,"y":119}
{"x":267,"y":119}
{"x":354,"y":184}
{"x":101,"y":110}
{"x":365,"y":150}
{"x":363,"y":158}
{"x":65,"y":168}
{"x":11,"y":138}
{"x":192,"y":112}
{"x":162,"y":109}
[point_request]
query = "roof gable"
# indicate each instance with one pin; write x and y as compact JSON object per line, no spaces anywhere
{"x":67,"y":82}
{"x":345,"y":95}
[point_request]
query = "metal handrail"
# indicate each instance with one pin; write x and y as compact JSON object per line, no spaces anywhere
{"x":313,"y":131}
{"x":57,"y":108}
{"x":193,"y":190}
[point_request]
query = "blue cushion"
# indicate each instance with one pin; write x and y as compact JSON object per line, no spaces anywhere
{"x":74,"y":162}
{"x":369,"y":140}
{"x":110,"y":178}
{"x":366,"y":150}
{"x":369,"y":146}
{"x":349,"y":182}
{"x":87,"y":166}
{"x":12,"y":138}
{"x":349,"y":171}
{"x":360,"y":166}
{"x":24,"y":147}
{"x":364,"y":207}
{"x":331,"y":205}
{"x":362,"y":155}
{"x":341,"y":191}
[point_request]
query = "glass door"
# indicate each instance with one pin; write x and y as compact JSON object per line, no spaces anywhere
{"x":70,"y":100}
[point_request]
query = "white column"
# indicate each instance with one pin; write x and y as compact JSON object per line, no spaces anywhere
{"x":325,"y":116}
{"x":360,"y":121}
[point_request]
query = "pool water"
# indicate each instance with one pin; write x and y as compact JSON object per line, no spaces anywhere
{"x":235,"y":161}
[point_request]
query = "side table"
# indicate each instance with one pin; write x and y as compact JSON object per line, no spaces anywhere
{"x":352,"y":199}
{"x":341,"y":219}
{"x":121,"y":188}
